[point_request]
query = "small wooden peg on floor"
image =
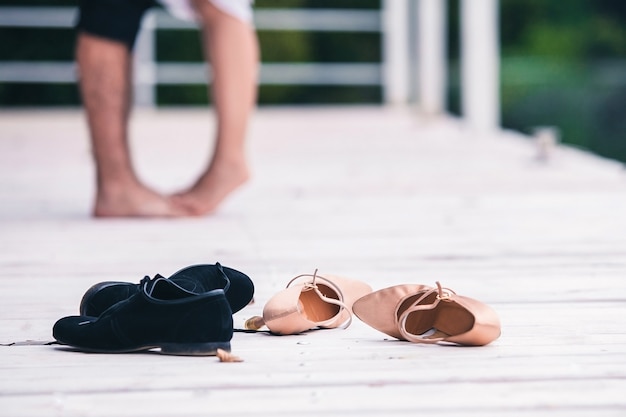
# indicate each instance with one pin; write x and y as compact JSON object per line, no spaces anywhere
{"x":227,"y":356}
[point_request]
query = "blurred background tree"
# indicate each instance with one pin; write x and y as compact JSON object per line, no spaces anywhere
{"x":563,"y":64}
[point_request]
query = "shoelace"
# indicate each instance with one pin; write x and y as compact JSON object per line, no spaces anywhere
{"x":143,"y":284}
{"x":443,"y":294}
{"x":145,"y":280}
{"x":224,"y":276}
{"x":308,"y":286}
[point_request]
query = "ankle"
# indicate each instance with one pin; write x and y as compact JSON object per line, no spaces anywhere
{"x":228,"y":168}
{"x":118,"y":185}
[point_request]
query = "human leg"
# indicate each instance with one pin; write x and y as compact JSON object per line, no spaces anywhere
{"x":104,"y":61}
{"x":231,"y":48}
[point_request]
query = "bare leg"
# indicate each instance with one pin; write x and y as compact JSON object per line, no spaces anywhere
{"x":105,"y":70}
{"x":231,"y":47}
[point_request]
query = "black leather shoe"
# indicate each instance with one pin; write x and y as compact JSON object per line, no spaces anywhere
{"x":238,"y":287}
{"x":160,"y":315}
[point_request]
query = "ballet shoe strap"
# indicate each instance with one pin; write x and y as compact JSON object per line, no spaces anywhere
{"x":257,"y":322}
{"x":432,"y":335}
{"x":312,"y":286}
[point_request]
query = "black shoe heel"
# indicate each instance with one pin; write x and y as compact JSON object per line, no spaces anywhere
{"x":194,"y":349}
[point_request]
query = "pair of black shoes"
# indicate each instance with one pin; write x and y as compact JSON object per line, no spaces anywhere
{"x":189,"y":313}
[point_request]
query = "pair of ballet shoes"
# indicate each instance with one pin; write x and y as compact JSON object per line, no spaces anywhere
{"x":412,"y":312}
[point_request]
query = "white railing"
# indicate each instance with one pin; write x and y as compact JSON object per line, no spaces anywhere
{"x":480,"y":63}
{"x":411,"y":70}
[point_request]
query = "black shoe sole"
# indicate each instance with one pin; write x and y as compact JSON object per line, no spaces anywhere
{"x":176,"y":349}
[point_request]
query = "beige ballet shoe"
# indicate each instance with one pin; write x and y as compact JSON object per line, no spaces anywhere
{"x":309,"y":302}
{"x":429,"y":315}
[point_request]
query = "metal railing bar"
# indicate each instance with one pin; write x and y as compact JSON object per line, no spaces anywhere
{"x":37,"y":72}
{"x":191,"y":73}
{"x":336,"y":20}
{"x":321,"y":74}
{"x":37,"y":17}
{"x":280,"y":74}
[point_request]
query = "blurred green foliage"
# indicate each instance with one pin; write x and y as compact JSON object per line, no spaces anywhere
{"x":563,"y":64}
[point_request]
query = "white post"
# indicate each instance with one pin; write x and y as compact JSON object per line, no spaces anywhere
{"x":480,"y":64}
{"x":144,"y":75}
{"x":395,"y":15}
{"x":431,"y":57}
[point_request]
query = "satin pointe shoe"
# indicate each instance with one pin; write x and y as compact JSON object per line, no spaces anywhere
{"x":161,"y":315}
{"x":424,"y":314}
{"x":238,"y":287}
{"x":379,"y":309}
{"x":309,"y":302}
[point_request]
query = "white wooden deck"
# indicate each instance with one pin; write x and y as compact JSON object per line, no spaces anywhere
{"x":367,"y":193}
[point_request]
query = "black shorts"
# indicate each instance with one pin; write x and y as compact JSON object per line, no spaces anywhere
{"x":118,"y":20}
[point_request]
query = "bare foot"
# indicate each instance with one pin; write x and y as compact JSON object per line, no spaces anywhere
{"x":212,"y":188}
{"x":136,"y":201}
